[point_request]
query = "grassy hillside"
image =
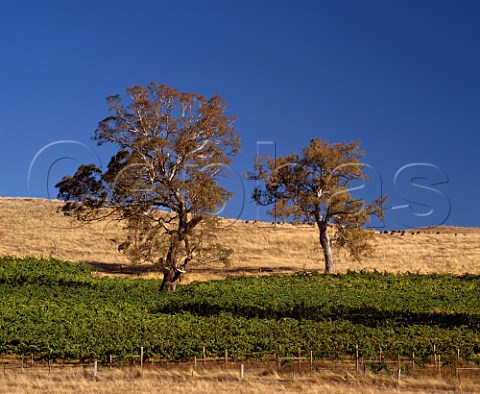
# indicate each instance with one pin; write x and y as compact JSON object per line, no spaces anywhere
{"x":35,"y":227}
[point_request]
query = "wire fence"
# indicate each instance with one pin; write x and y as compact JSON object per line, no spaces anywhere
{"x":438,"y":365}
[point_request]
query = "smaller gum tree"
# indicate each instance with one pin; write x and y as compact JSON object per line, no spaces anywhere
{"x":162,"y":182}
{"x":315,"y":187}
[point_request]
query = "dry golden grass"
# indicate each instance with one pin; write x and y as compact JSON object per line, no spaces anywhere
{"x":35,"y":227}
{"x":129,"y":380}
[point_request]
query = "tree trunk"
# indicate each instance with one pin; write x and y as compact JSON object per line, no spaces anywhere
{"x":171,"y":276}
{"x":171,"y":273}
{"x":327,"y":249}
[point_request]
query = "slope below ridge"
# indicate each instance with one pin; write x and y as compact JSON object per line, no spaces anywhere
{"x":36,"y":227}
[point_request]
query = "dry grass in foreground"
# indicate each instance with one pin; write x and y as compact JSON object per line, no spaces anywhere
{"x":35,"y":227}
{"x":129,"y":380}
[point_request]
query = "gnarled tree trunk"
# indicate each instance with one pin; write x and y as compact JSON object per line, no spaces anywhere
{"x":327,"y":249}
{"x":171,"y":272}
{"x":171,"y":277}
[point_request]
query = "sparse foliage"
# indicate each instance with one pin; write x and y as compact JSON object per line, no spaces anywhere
{"x":162,"y":181}
{"x":315,"y":187}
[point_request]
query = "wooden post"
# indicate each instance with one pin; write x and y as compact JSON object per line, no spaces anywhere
{"x":32,"y":360}
{"x":226,"y":359}
{"x":413,"y":360}
{"x":22,"y":361}
{"x":242,"y":370}
{"x":204,"y":356}
{"x":379,"y":353}
{"x":95,"y":369}
{"x":356,"y":359}
{"x":195,"y":363}
{"x":299,"y":358}
{"x":458,"y":356}
{"x":435,"y":355}
{"x":278,"y":356}
{"x":141,"y":358}
{"x":311,"y":360}
{"x":399,"y":372}
{"x":111,"y":359}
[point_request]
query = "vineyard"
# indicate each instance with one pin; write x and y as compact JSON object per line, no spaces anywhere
{"x":58,"y":310}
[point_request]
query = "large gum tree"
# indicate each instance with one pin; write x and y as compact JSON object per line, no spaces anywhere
{"x":316,"y":187}
{"x":162,"y":182}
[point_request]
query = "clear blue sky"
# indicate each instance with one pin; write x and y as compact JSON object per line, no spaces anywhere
{"x":401,"y":76}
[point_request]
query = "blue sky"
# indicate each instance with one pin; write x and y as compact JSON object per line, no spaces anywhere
{"x":401,"y":76}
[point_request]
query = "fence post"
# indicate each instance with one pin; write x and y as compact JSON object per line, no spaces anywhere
{"x":311,"y":360}
{"x":242,"y":370}
{"x":204,"y":356}
{"x":278,"y":357}
{"x":226,"y":359}
{"x":356,"y":359}
{"x":141,"y":358}
{"x":95,"y":369}
{"x":195,"y":363}
{"x":413,"y":360}
{"x":399,"y":372}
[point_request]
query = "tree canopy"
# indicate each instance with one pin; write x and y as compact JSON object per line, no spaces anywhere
{"x":316,"y":187}
{"x":162,"y":182}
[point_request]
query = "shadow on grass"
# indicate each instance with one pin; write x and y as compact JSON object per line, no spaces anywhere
{"x":127,"y":269}
{"x":137,"y":269}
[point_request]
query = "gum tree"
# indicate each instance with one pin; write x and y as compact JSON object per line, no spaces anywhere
{"x":316,"y":187}
{"x":162,"y":182}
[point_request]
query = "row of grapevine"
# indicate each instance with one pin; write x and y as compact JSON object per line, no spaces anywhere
{"x":58,"y":310}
